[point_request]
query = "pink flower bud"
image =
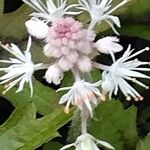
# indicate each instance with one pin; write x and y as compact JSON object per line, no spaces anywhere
{"x":37,"y":28}
{"x":108,"y":45}
{"x":54,"y":74}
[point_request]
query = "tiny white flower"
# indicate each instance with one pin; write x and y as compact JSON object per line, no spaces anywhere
{"x":54,"y":74}
{"x":81,"y":93}
{"x":124,"y":69}
{"x":87,"y":142}
{"x":37,"y":28}
{"x":100,"y":10}
{"x":21,"y":68}
{"x":51,"y":11}
{"x":108,"y":45}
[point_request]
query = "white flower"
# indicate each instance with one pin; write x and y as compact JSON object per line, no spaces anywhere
{"x":51,"y":11}
{"x":21,"y":68}
{"x":124,"y":69}
{"x":108,"y":45}
{"x":37,"y":28}
{"x":100,"y":10}
{"x":87,"y":142}
{"x":54,"y":74}
{"x":81,"y":93}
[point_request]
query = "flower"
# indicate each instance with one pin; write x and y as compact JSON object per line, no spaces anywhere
{"x":123,"y":70}
{"x":21,"y":68}
{"x":37,"y":28}
{"x":108,"y":45}
{"x":54,"y":74}
{"x":99,"y":10}
{"x":81,"y":93}
{"x":70,"y":43}
{"x":87,"y":142}
{"x":51,"y":11}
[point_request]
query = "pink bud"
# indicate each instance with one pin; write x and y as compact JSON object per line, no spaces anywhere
{"x":54,"y":74}
{"x":37,"y":28}
{"x":108,"y":45}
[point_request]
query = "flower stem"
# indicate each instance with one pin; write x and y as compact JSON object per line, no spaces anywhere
{"x":76,"y":74}
{"x":92,"y":24}
{"x":100,"y":66}
{"x":84,"y":117}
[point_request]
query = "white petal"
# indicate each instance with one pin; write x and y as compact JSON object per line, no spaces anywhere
{"x":105,"y":144}
{"x":114,"y":19}
{"x":67,"y":146}
{"x":65,"y":97}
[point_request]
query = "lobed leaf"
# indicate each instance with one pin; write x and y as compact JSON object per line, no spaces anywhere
{"x":115,"y":125}
{"x":23,"y":131}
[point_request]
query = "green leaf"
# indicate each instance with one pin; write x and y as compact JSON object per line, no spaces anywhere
{"x":136,"y":30}
{"x":13,"y":24}
{"x":23,"y":131}
{"x":140,"y":9}
{"x":136,"y":20}
{"x":52,"y":146}
{"x":115,"y":125}
{"x":45,"y":98}
{"x":144,"y":144}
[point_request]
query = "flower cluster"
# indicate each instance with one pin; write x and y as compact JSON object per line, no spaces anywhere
{"x":71,"y":44}
{"x":66,"y":40}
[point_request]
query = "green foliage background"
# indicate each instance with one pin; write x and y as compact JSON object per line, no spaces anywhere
{"x":113,"y":122}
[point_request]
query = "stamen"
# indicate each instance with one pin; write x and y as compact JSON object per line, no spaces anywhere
{"x":67,"y":110}
{"x":134,"y":80}
{"x":137,"y":53}
{"x":103,"y":97}
{"x":128,"y":98}
{"x":141,"y":98}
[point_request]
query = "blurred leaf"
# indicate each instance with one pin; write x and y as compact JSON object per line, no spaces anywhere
{"x":23,"y":131}
{"x":136,"y":30}
{"x":144,"y":144}
{"x":52,"y":146}
{"x":115,"y":125}
{"x":13,"y":24}
{"x":45,"y":98}
{"x":136,"y":20}
{"x":140,"y":8}
{"x":144,"y":114}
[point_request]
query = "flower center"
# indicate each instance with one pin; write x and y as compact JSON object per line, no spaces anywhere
{"x":66,"y":27}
